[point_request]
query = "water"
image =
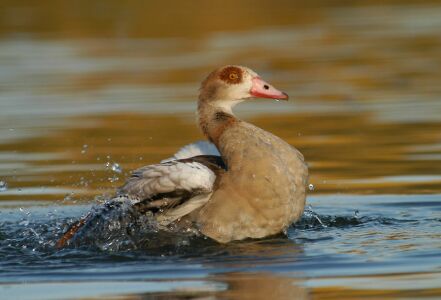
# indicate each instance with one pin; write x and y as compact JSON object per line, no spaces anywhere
{"x":86,"y":100}
{"x":3,"y":186}
{"x":390,"y":241}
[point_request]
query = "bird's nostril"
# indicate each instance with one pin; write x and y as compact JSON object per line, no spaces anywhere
{"x":266,"y":87}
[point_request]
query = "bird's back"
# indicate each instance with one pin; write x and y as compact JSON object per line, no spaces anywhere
{"x":263,"y":191}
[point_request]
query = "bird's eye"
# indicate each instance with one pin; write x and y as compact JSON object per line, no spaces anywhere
{"x":233,"y":76}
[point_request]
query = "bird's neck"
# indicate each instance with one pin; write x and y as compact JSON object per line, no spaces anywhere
{"x":215,"y":118}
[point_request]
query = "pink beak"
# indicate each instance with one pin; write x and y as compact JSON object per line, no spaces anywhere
{"x":262,"y":89}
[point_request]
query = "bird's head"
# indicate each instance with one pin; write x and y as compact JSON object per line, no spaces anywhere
{"x":231,"y":84}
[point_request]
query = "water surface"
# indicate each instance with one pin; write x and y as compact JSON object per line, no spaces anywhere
{"x":84,"y":88}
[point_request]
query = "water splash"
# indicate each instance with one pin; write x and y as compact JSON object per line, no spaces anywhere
{"x":115,"y":228}
{"x":84,"y":149}
{"x":69,"y":196}
{"x":311,"y":214}
{"x":115,"y":167}
{"x":117,"y":225}
{"x":356,"y":214}
{"x":112,"y":179}
{"x":3,"y":186}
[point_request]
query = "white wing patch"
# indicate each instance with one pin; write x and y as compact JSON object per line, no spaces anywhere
{"x":194,"y":149}
{"x":169,"y":177}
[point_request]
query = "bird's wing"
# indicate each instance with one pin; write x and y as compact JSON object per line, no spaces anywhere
{"x":169,"y":190}
{"x":169,"y":183}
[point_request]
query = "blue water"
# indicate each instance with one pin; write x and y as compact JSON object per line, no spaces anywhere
{"x":340,"y":236}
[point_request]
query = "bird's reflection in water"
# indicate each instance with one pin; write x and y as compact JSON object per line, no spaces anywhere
{"x":239,"y":285}
{"x":250,"y":278}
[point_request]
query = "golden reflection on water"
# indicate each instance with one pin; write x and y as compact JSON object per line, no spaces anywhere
{"x":382,"y":287}
{"x":262,"y":286}
{"x":153,"y":19}
{"x":347,"y":153}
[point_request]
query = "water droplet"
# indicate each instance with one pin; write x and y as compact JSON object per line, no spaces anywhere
{"x":311,"y":187}
{"x":84,"y":150}
{"x":113,"y":178}
{"x":69,"y":196}
{"x":116,"y":168}
{"x":319,"y":220}
{"x":3,"y":186}
{"x":24,"y":223}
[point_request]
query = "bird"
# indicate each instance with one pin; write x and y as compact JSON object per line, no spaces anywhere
{"x":244,"y":182}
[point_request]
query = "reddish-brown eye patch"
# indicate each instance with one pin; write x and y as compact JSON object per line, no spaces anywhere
{"x":232,"y":75}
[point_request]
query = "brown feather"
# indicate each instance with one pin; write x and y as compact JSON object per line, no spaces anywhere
{"x":73,"y":229}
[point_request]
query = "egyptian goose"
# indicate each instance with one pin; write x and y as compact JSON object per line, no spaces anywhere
{"x":244,"y":183}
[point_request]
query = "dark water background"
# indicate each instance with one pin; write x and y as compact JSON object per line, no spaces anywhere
{"x":92,"y":90}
